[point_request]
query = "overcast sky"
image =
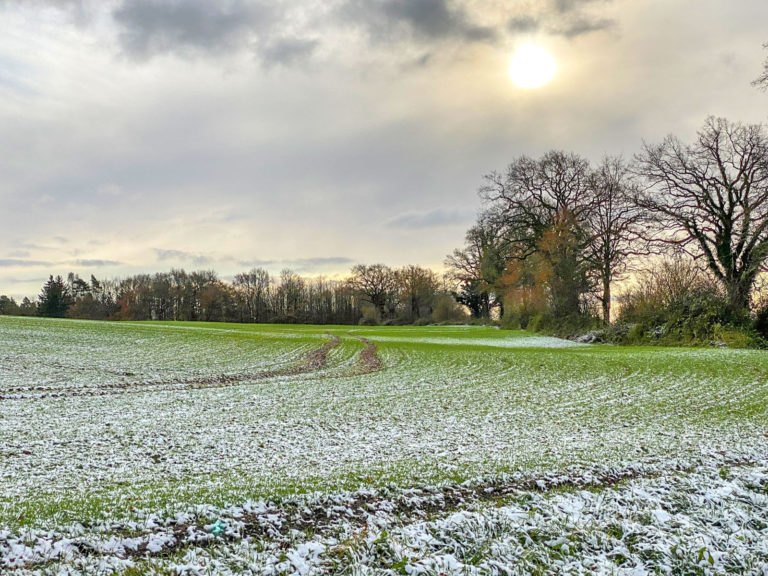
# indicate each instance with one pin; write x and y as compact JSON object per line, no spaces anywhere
{"x":140,"y":135}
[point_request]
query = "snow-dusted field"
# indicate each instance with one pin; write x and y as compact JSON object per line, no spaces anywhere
{"x":212,"y":449}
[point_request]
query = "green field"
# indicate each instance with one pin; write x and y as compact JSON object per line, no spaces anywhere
{"x":106,"y":421}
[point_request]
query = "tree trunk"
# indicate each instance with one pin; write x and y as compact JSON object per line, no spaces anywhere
{"x":606,"y":301}
{"x":738,"y":291}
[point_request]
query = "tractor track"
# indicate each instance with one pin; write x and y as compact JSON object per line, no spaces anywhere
{"x":314,"y":361}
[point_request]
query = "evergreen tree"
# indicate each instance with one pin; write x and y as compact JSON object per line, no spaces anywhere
{"x":54,"y":300}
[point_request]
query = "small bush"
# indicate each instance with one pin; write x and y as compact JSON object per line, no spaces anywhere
{"x":677,"y":304}
{"x":368,"y":321}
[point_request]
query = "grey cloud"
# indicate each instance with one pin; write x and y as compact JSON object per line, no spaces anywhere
{"x":582,"y":26}
{"x":327,"y":261}
{"x":523,"y":24}
{"x":19,"y":263}
{"x":154,"y":27}
{"x":190,"y":28}
{"x":423,"y":19}
{"x":288,"y":51}
{"x":431,"y":219}
{"x":573,"y":22}
{"x":164,"y":255}
{"x":80,"y":12}
{"x":567,"y":25}
{"x":24,"y":280}
{"x":255,"y":263}
{"x":566,"y":6}
{"x":97,"y":263}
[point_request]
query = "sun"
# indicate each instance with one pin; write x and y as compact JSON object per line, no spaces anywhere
{"x":532,"y":66}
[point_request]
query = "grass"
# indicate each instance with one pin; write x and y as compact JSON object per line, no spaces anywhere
{"x":100,"y":419}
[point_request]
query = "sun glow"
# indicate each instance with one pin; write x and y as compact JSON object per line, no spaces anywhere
{"x":532,"y":66}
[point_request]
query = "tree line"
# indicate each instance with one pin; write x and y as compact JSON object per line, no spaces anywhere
{"x":556,"y":233}
{"x":371,"y":294}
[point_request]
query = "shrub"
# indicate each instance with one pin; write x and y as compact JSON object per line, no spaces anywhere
{"x":676,"y":303}
{"x":368,"y":321}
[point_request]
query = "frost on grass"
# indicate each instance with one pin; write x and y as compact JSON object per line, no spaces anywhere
{"x":710,"y":519}
{"x":110,"y":456}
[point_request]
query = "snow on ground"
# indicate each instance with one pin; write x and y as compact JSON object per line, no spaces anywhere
{"x":529,"y":342}
{"x":711,"y":519}
{"x":141,"y":443}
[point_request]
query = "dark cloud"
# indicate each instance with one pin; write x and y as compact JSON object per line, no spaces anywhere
{"x":191,"y":28}
{"x":431,"y":219}
{"x":422,"y":19}
{"x":188,"y":27}
{"x":19,"y":263}
{"x":97,"y":263}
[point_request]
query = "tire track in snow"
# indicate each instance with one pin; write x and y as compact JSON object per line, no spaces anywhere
{"x":368,"y":361}
{"x":314,"y":361}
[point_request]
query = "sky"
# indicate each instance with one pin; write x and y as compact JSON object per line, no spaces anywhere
{"x":141,"y":135}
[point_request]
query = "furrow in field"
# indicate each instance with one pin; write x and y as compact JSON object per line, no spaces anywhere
{"x":368,"y":360}
{"x":313,"y":361}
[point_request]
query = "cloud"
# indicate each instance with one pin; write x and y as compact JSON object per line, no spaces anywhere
{"x":190,"y":27}
{"x":19,"y":263}
{"x":300,"y":264}
{"x":288,"y":51}
{"x":563,"y":21}
{"x":573,"y":22}
{"x":79,"y":12}
{"x":180,"y":255}
{"x":523,"y":24}
{"x":582,"y":26}
{"x":428,"y":20}
{"x":195,"y":28}
{"x":97,"y":263}
{"x":566,"y":6}
{"x":323,"y":261}
{"x":24,"y":280}
{"x":431,"y":219}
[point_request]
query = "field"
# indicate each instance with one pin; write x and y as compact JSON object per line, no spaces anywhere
{"x":215,"y":449}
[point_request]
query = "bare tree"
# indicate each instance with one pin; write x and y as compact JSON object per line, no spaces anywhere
{"x":376,"y":284}
{"x":544,"y":204}
{"x":711,"y":198}
{"x":418,"y":287}
{"x":253,"y":287}
{"x":477,"y":268}
{"x":613,"y":225}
